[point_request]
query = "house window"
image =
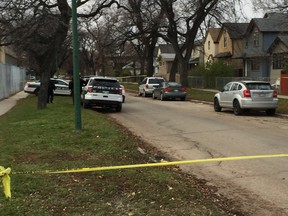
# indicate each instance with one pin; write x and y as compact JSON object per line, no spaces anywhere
{"x":208,"y":45}
{"x":246,"y":44}
{"x":225,"y":40}
{"x":278,"y":61}
{"x":255,"y":65}
{"x":256,"y":38}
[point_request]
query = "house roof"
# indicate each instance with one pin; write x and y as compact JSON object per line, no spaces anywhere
{"x":280,"y":39}
{"x":166,"y":48}
{"x":223,"y":55}
{"x":132,"y":65}
{"x":236,"y":30}
{"x":214,"y":32}
{"x":272,"y":22}
{"x":168,"y":56}
{"x":284,"y":39}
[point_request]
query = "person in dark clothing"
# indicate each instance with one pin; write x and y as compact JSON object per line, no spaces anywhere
{"x":71,"y":87}
{"x":51,"y":88}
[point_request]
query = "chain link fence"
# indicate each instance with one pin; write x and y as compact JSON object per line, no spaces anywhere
{"x":12,"y":80}
{"x":201,"y":82}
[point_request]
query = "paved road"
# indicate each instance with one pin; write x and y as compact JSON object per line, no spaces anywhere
{"x":187,"y":131}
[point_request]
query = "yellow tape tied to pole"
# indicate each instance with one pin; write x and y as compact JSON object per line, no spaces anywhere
{"x":4,"y":174}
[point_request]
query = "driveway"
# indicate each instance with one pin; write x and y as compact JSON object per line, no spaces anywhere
{"x":189,"y":130}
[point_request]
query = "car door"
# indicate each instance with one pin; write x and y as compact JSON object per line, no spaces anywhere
{"x":231,"y":94}
{"x":158,"y":89}
{"x":225,"y":95}
{"x":142,"y":85}
{"x":61,"y":88}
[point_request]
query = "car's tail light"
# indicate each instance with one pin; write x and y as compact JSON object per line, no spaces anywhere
{"x":168,"y":89}
{"x":90,"y":89}
{"x":183,"y":89}
{"x":146,"y":86}
{"x":275,"y":93}
{"x":247,"y":93}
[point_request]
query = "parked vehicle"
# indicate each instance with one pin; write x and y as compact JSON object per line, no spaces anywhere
{"x":245,"y":95}
{"x":103,"y":92}
{"x":61,"y":87}
{"x":147,"y":85}
{"x":169,"y":90}
{"x":123,"y":93}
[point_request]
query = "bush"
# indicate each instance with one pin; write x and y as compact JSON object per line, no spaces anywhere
{"x":212,"y":70}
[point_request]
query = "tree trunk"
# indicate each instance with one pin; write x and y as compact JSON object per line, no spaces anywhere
{"x":173,"y":70}
{"x":150,"y":56}
{"x":183,"y":67}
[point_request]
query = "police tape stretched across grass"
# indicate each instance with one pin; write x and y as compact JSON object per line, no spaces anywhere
{"x":4,"y":173}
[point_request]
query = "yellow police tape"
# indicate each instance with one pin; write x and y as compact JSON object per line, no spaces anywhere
{"x":4,"y":173}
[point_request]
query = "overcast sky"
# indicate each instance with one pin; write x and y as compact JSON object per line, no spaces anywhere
{"x":248,"y":10}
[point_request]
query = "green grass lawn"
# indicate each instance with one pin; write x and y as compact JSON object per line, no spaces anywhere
{"x":34,"y":140}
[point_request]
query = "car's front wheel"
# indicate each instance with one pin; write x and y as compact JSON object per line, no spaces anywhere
{"x":139,"y":93}
{"x":162,"y":97}
{"x":236,"y":108}
{"x":217,"y":107}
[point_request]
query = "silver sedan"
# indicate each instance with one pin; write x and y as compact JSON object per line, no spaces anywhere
{"x":245,"y":95}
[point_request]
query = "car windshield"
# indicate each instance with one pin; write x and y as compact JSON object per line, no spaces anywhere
{"x":106,"y":82}
{"x":151,"y":81}
{"x":173,"y":84}
{"x":258,"y":86}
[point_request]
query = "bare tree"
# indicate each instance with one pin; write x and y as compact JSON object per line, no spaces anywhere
{"x":271,"y":6}
{"x":184,"y":18}
{"x":40,"y":28}
{"x":143,"y":20}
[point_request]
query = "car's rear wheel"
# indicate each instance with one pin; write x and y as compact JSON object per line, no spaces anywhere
{"x":36,"y":92}
{"x":270,"y":112}
{"x":217,"y":107}
{"x":236,"y":108}
{"x":144,"y":94}
{"x":119,"y":108}
{"x":85,"y":105}
{"x":183,"y":98}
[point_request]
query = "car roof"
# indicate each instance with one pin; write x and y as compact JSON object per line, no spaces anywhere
{"x":102,"y":77}
{"x":253,"y":81}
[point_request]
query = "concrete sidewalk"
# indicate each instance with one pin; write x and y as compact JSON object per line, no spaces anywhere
{"x":9,"y":103}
